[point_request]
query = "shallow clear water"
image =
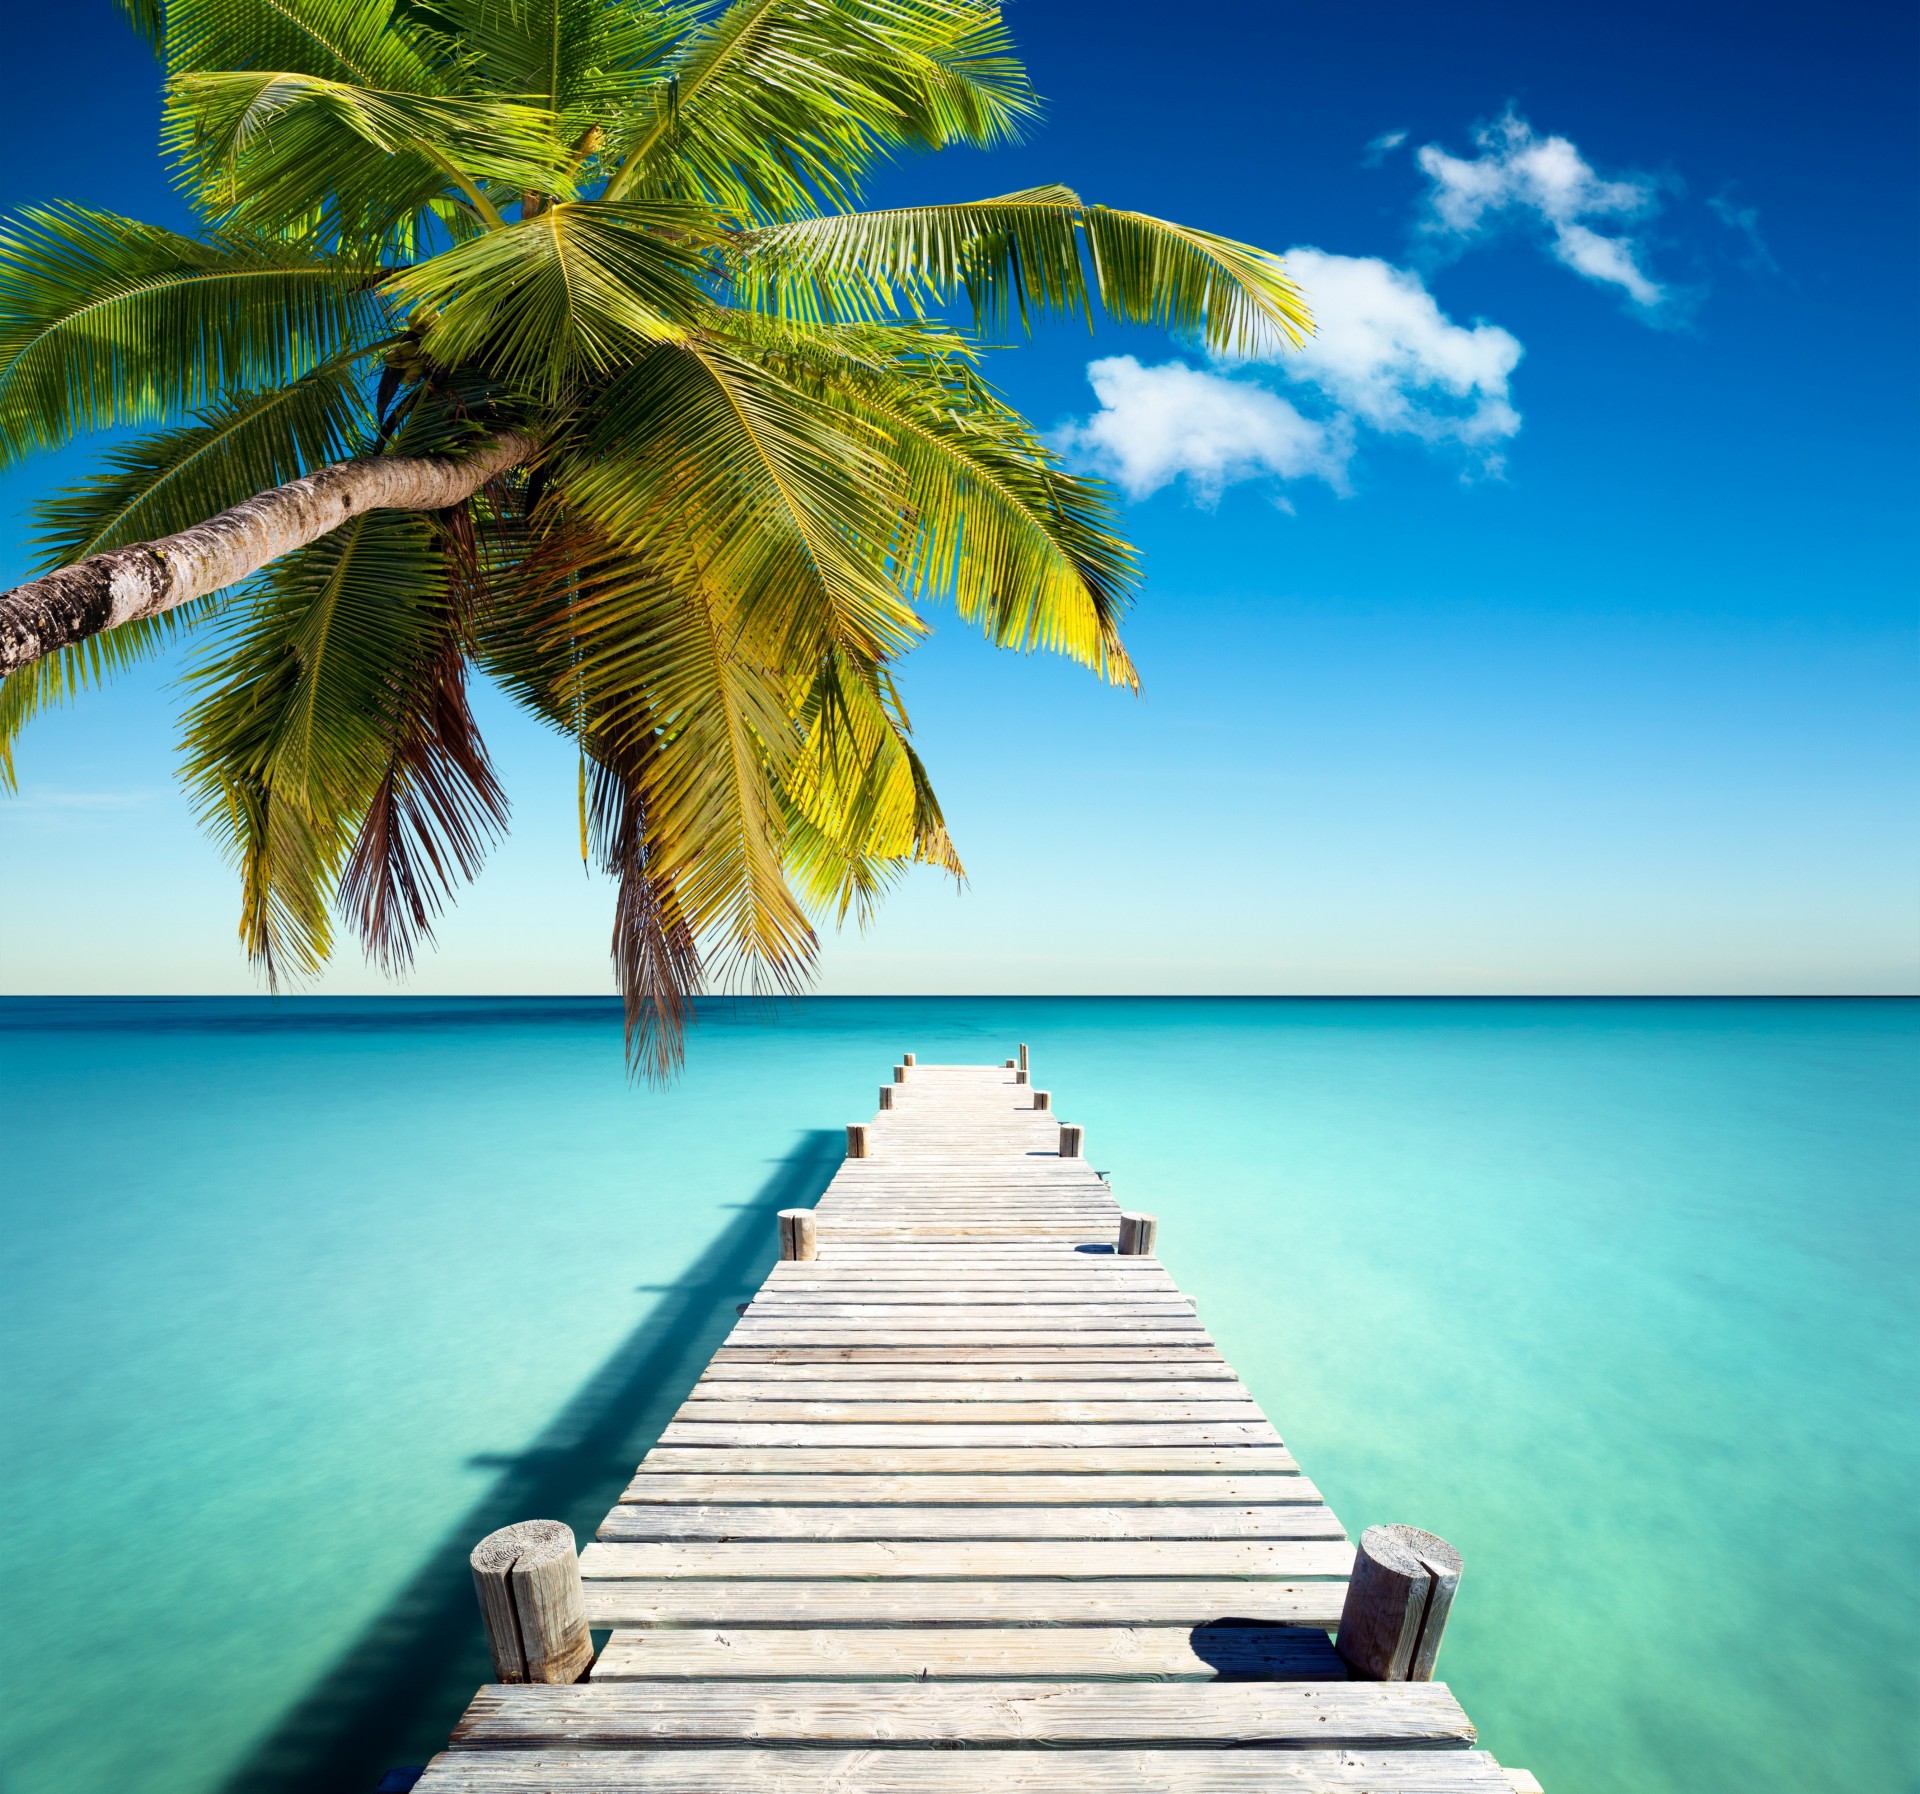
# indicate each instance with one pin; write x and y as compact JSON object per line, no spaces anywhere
{"x":299,"y":1299}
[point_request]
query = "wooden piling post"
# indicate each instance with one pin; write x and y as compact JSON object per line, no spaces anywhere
{"x":886,"y":1096}
{"x":1006,"y":1065}
{"x":1397,"y":1604}
{"x":528,"y":1580}
{"x":1023,"y":1056}
{"x":1043,"y":1099}
{"x":1137,"y":1234}
{"x":907,"y":1059}
{"x":1020,"y":1077}
{"x":799,"y":1233}
{"x":1070,"y":1137}
{"x":857,"y":1140}
{"x":899,"y":1074}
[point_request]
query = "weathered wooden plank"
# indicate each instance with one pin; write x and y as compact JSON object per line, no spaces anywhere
{"x":979,"y":1601}
{"x":985,"y":1433}
{"x":820,"y":1490}
{"x":900,"y":1520}
{"x":1351,"y":1715}
{"x":1187,"y":1356}
{"x":976,"y":1460}
{"x":901,"y":1333}
{"x":803,"y":1387}
{"x":1023,"y":1412}
{"x":1024,"y":1313}
{"x":1122,"y":1375}
{"x":1037,"y":1771}
{"x":756,"y":1559}
{"x":975,"y":1653}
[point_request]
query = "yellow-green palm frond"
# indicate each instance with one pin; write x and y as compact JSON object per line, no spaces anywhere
{"x":1021,"y":257}
{"x":263,"y":149}
{"x":706,"y":457}
{"x":573,"y":291}
{"x":107,"y":321}
{"x":861,"y":807}
{"x":776,"y":104}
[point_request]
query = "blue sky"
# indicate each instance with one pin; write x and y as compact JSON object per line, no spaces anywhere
{"x":1548,"y":626}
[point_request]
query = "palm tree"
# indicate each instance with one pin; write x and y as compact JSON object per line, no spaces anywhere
{"x":547,"y":338}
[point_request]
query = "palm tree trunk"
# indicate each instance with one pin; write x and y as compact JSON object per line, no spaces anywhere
{"x":106,"y":590}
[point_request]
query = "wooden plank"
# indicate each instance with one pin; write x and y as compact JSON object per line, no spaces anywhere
{"x":1023,"y":1312}
{"x":976,"y":1653}
{"x":757,"y":1560}
{"x":1025,"y":1411}
{"x":765,"y":1333}
{"x":900,"y":1520}
{"x":829,"y":1489}
{"x":1187,"y":1357}
{"x":731,"y":1373}
{"x":803,"y":1387}
{"x":1328,"y":1715}
{"x":987,"y":1433}
{"x":977,"y":1460}
{"x":1040,"y":1771}
{"x":1026,"y":1602}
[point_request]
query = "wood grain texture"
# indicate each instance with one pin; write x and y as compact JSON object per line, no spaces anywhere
{"x":908,"y":1602}
{"x":975,"y":1520}
{"x":1039,"y":1771}
{"x":972,"y":1653}
{"x":756,"y":1560}
{"x":825,"y":1489}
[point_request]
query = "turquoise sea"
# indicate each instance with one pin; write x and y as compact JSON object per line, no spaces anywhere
{"x":299,"y":1298}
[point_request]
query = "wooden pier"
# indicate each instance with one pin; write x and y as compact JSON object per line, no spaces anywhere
{"x":969,"y":1501}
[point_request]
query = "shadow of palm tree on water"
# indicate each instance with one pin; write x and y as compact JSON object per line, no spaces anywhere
{"x":394,"y":1694}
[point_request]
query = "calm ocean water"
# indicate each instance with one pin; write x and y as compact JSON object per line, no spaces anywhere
{"x":298,"y":1299}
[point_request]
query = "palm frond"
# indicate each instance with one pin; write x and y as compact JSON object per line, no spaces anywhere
{"x":573,"y":291}
{"x":107,"y":321}
{"x":776,"y":104}
{"x":263,"y":149}
{"x":163,"y":483}
{"x":364,"y":42}
{"x":1021,"y":257}
{"x":297,"y":711}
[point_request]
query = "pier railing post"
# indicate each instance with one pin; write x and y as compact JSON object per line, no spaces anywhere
{"x":1070,"y":1137}
{"x":1137,"y":1234}
{"x":886,"y":1096}
{"x":1023,"y":1056}
{"x":528,"y":1580}
{"x":1397,"y":1604}
{"x":1020,"y":1077}
{"x":907,"y":1059}
{"x":899,"y":1074}
{"x":1043,"y":1099}
{"x":857,"y":1140}
{"x":799,"y":1233}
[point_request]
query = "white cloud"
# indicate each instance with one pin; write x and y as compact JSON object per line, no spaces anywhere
{"x":1386,"y":359}
{"x":1385,"y":353}
{"x":1519,"y":177}
{"x":1159,"y":424}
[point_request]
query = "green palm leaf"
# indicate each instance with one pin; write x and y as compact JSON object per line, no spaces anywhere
{"x":1024,"y":256}
{"x":107,"y":321}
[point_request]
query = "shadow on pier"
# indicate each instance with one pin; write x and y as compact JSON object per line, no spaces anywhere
{"x":392,"y":1697}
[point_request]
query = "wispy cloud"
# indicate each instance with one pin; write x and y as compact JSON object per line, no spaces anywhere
{"x":1519,"y":179}
{"x":1386,"y":361}
{"x":1744,"y":222}
{"x":1380,"y":148}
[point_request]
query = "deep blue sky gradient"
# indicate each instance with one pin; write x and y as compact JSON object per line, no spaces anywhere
{"x":1636,"y":715}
